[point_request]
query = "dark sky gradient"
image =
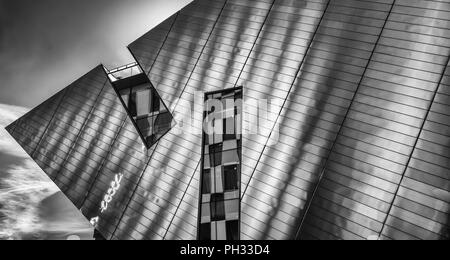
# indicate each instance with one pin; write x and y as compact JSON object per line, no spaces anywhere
{"x":47,"y":44}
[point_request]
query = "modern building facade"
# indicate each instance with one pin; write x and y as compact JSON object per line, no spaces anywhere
{"x":359,"y":148}
{"x":220,"y":190}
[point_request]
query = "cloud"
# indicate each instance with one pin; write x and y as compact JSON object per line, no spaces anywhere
{"x":19,"y":197}
{"x":31,"y":206}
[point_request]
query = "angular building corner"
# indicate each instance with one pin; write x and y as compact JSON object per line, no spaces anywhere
{"x":362,"y":116}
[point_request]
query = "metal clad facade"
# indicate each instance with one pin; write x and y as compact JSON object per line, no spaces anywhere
{"x":29,"y":129}
{"x":420,"y":209}
{"x":176,"y":157}
{"x":361,"y":100}
{"x":378,"y":136}
{"x":320,"y":96}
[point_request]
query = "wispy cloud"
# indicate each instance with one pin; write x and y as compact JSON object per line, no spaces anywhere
{"x":28,"y":197}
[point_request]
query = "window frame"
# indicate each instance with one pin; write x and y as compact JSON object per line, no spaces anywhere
{"x":206,"y":154}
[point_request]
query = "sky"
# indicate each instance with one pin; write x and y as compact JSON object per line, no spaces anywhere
{"x":31,"y":206}
{"x":44,"y":46}
{"x":47,"y":44}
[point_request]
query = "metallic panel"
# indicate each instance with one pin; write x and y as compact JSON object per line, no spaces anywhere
{"x":30,"y":128}
{"x":68,"y":121}
{"x":420,"y":209}
{"x":321,"y":94}
{"x":270,"y":74}
{"x":378,"y":136}
{"x":359,"y":155}
{"x":214,"y":53}
{"x":90,"y":149}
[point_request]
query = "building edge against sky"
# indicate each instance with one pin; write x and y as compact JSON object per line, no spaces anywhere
{"x":363,"y":151}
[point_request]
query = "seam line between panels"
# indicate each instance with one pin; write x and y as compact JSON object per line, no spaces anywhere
{"x":17,"y":122}
{"x":104,"y":161}
{"x":339,"y":133}
{"x":182,"y":199}
{"x":176,"y":105}
{"x":162,"y":45}
{"x":50,"y":122}
{"x":156,"y":145}
{"x":243,"y":67}
{"x":134,"y":191}
{"x":425,"y":120}
{"x":201,"y":53}
{"x":83,"y":127}
{"x":254,"y":43}
{"x":287,"y":95}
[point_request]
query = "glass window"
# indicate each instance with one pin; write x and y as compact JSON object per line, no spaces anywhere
{"x":221,"y":230}
{"x":143,"y":102}
{"x":230,"y":157}
{"x":229,"y":128}
{"x":233,"y":230}
{"x":231,"y":177}
{"x":125,"y":94}
{"x":206,"y":161}
{"x":217,"y":207}
{"x":155,"y":103}
{"x":147,"y":111}
{"x":163,"y":122}
{"x":221,"y":165}
{"x":232,"y":209}
{"x":205,"y":232}
{"x":218,"y":178}
{"x":206,"y":189}
{"x":145,"y":125}
{"x":215,"y":152}
{"x":230,"y":145}
{"x":206,"y":213}
{"x":132,"y":105}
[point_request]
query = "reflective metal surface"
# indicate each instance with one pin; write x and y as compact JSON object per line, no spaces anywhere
{"x":361,"y":94}
{"x":371,"y":154}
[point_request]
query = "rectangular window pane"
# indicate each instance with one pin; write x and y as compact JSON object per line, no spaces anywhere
{"x":230,"y":157}
{"x":142,"y":102}
{"x":145,"y":108}
{"x":230,"y":133}
{"x":156,"y":104}
{"x":206,"y":189}
{"x":163,"y":123}
{"x":132,"y":105}
{"x":222,"y":161}
{"x":146,"y":126}
{"x":231,"y":178}
{"x":215,"y":152}
{"x":231,"y":209}
{"x":218,"y":178}
{"x":206,"y":213}
{"x":217,"y":207}
{"x":205,"y":233}
{"x":221,"y":230}
{"x":233,"y":230}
